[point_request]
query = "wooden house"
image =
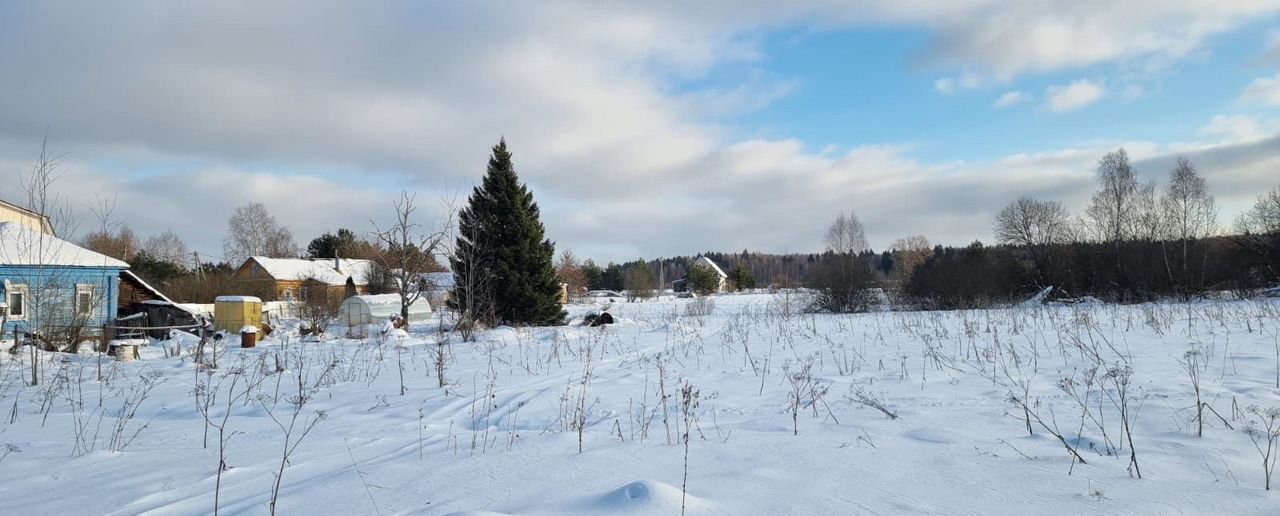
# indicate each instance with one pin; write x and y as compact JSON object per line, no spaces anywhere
{"x":327,"y":280}
{"x":54,"y":288}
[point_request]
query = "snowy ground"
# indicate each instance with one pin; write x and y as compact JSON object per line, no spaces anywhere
{"x":501,"y":437}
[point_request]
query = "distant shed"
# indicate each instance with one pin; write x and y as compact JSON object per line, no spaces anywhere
{"x":377,"y":308}
{"x":231,"y":313}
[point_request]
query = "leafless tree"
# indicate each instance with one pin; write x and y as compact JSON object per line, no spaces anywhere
{"x":1148,"y":224}
{"x":841,"y":280}
{"x":911,"y":252}
{"x":1258,"y":228}
{"x":316,"y":306}
{"x":111,"y":237}
{"x":1034,"y":225}
{"x":569,"y":271}
{"x":1188,"y":211}
{"x":166,"y":246}
{"x":411,"y":250}
{"x":639,"y":282}
{"x":471,"y":257}
{"x":44,"y":299}
{"x":253,"y":231}
{"x":1031,"y":222}
{"x":1264,"y":217}
{"x":1122,"y":209}
{"x":1188,"y":207}
{"x":846,"y":235}
{"x":1115,"y":207}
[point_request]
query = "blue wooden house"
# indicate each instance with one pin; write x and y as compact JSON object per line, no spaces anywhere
{"x":54,"y":288}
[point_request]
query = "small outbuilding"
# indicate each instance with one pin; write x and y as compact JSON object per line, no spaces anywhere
{"x":372,"y":309}
{"x":230,"y":313}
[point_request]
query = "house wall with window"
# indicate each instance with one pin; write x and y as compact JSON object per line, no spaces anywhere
{"x":38,"y":298}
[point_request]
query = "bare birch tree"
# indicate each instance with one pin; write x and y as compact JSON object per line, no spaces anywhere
{"x":1115,"y":206}
{"x":846,"y":235}
{"x":911,"y":252}
{"x":253,"y":231}
{"x":166,"y":246}
{"x":1188,"y":210}
{"x":411,"y":250}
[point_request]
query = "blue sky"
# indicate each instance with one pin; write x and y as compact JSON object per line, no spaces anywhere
{"x":644,"y":129}
{"x":869,"y":85}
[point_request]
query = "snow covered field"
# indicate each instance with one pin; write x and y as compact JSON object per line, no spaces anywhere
{"x":502,"y":437}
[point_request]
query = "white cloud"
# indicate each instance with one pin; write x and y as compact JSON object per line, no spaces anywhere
{"x":1076,"y":95}
{"x":1241,"y":128}
{"x":1010,"y":99}
{"x":945,"y":85}
{"x":965,"y":81}
{"x":1132,"y":92}
{"x":1263,"y":90}
{"x":413,"y":95}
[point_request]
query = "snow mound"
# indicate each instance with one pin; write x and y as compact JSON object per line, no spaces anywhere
{"x":648,"y":497}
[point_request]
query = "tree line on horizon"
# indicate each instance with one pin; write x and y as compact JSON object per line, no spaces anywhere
{"x":1134,"y":242}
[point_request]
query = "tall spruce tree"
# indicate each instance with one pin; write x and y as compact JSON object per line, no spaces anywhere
{"x":502,"y":254}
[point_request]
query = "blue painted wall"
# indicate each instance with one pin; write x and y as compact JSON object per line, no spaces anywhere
{"x":63,"y":281}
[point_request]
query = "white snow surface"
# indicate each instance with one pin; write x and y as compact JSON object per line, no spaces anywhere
{"x":21,"y":245}
{"x":499,"y":439}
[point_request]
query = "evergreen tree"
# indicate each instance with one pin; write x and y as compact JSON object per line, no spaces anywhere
{"x":343,"y":244}
{"x":594,"y":275}
{"x":639,"y":282}
{"x":613,"y":278}
{"x":702,"y":279}
{"x":742,"y":278}
{"x":502,"y":240}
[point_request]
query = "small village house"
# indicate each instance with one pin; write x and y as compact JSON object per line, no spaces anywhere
{"x":327,"y":280}
{"x":721,"y":278}
{"x":54,"y":289}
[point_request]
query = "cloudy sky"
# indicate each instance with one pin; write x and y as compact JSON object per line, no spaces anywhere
{"x":643,"y":128}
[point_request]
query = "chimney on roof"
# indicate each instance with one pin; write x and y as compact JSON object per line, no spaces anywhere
{"x":337,"y":263}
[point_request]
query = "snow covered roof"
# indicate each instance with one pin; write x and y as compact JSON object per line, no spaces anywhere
{"x":707,"y":261}
{"x":237,"y":299}
{"x":381,"y":299}
{"x":21,"y":245}
{"x":319,"y":269}
{"x":154,"y":291}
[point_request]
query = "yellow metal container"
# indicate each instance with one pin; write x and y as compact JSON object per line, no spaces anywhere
{"x":231,"y":313}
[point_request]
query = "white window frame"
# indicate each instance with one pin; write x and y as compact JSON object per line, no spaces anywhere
{"x":92,"y":291}
{"x":24,"y":293}
{"x":288,"y":295}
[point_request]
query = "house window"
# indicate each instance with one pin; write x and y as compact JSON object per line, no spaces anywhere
{"x":85,"y":298}
{"x":302,"y":292}
{"x":288,"y":294}
{"x":17,"y":301}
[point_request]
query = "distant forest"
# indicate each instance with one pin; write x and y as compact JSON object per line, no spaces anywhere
{"x":1133,"y":243}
